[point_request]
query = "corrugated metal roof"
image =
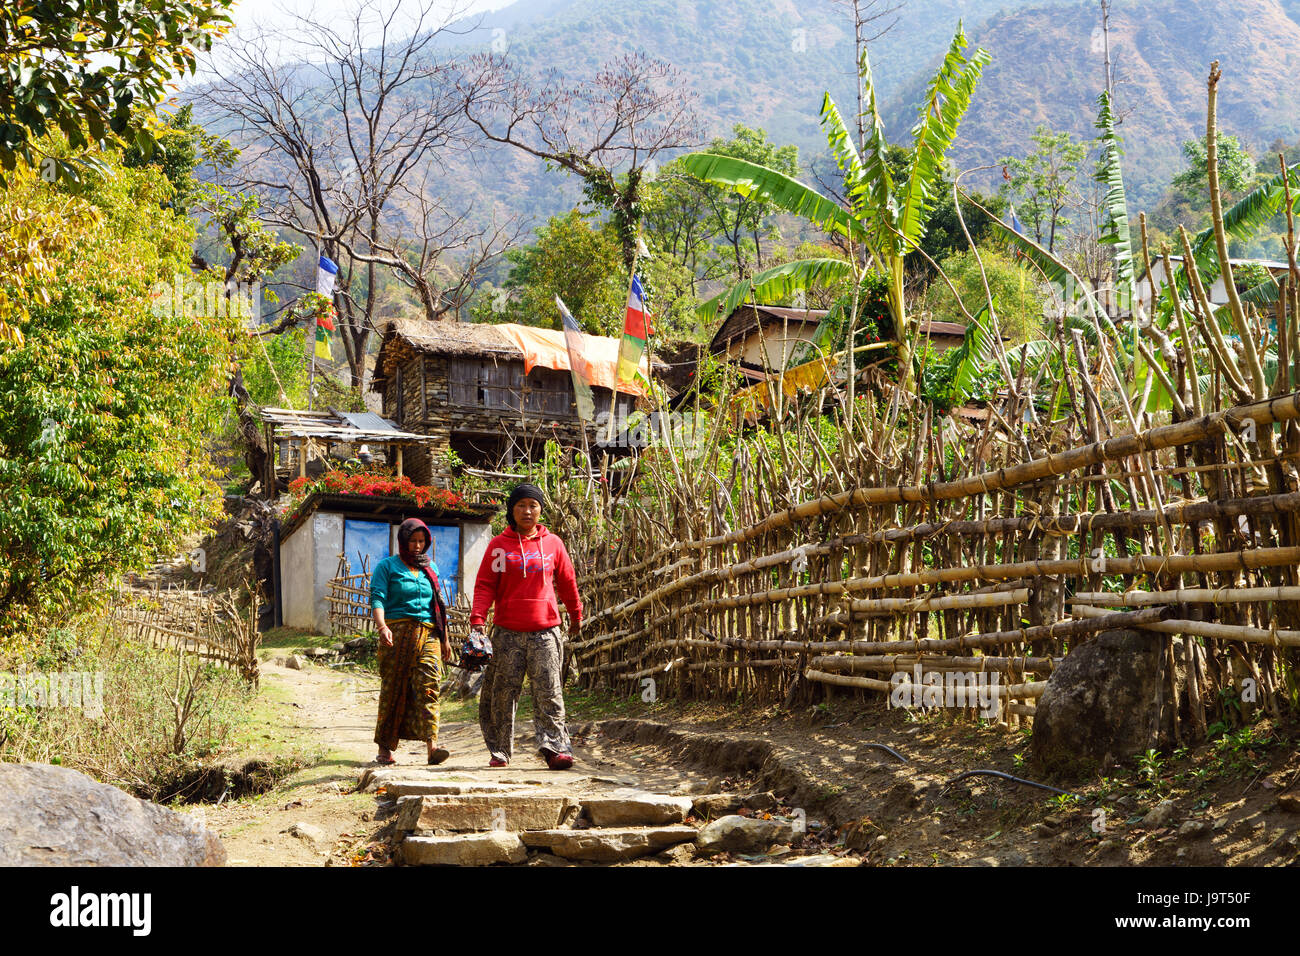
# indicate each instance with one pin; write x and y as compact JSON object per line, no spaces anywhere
{"x":368,"y":421}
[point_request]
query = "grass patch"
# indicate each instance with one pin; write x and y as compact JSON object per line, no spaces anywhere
{"x":293,"y":639}
{"x":148,"y":718}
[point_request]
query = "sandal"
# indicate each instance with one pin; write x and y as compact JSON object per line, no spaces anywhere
{"x":439,"y":755}
{"x":385,"y":760}
{"x":498,"y":762}
{"x":556,"y":760}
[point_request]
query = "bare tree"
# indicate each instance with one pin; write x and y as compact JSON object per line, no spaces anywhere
{"x":607,"y":131}
{"x":345,"y":138}
{"x":1110,"y":62}
{"x":867,"y":15}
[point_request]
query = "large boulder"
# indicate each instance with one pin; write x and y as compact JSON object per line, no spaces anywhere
{"x":1106,"y":702}
{"x":54,"y":816}
{"x":737,"y":834}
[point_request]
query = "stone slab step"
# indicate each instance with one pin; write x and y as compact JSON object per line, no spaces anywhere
{"x":464,"y":849}
{"x":608,"y":845}
{"x":484,"y":811}
{"x":721,"y":804}
{"x":624,"y":808}
{"x":396,"y":789}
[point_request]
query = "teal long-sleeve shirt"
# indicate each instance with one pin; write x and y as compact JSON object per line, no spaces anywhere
{"x":400,"y":591}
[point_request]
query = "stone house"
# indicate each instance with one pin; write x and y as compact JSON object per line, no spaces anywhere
{"x":493,"y":394}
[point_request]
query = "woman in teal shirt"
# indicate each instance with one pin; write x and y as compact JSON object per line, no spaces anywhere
{"x":411,"y":618}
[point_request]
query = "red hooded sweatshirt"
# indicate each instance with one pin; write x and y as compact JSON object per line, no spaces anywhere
{"x":521,"y":575}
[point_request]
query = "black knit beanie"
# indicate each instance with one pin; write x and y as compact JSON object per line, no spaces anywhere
{"x":521,"y":491}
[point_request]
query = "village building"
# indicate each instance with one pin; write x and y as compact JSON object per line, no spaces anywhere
{"x":492,"y":394}
{"x":1218,"y":292}
{"x":333,"y":535}
{"x":761,"y":338}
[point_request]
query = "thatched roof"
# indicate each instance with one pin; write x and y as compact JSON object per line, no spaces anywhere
{"x":469,"y":339}
{"x":448,"y":338}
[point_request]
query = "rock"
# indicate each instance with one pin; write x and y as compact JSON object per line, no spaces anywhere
{"x":609,"y":844}
{"x":761,"y":801}
{"x":1102,"y":704}
{"x":463,"y":849}
{"x":306,"y":831}
{"x":487,"y":811}
{"x":624,"y":808}
{"x":716,"y":804}
{"x":1289,"y":802}
{"x":318,"y":652}
{"x":358,"y":643}
{"x":338,"y":648}
{"x":1219,"y":824}
{"x":737,"y":834}
{"x":1192,"y":828}
{"x":294,"y":662}
{"x":821,"y":859}
{"x":1286,"y":843}
{"x":1161,"y":815}
{"x":679,"y":855}
{"x":54,"y":816}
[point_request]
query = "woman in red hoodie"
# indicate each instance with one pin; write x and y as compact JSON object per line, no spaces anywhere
{"x":523,"y":568}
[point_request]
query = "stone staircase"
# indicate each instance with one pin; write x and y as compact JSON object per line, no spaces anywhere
{"x":446,"y":819}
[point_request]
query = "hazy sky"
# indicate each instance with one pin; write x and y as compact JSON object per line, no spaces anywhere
{"x":283,"y":13}
{"x":291,"y":18}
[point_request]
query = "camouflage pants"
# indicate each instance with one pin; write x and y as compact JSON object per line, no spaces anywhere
{"x":539,"y":655}
{"x":409,"y":673}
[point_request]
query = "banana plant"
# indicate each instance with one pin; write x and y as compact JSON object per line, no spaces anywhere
{"x":885,"y":221}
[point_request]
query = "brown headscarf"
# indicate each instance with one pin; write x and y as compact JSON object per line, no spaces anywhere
{"x":438,"y":608}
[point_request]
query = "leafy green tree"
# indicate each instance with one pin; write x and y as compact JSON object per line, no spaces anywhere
{"x":739,"y":218}
{"x":679,"y":225}
{"x":93,"y":70}
{"x":580,"y":264}
{"x":1236,"y":168}
{"x":1020,"y":303}
{"x":1043,"y":183}
{"x":105,"y":404}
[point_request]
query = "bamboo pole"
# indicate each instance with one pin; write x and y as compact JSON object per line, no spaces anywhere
{"x":1224,"y":632}
{"x":1186,"y":596}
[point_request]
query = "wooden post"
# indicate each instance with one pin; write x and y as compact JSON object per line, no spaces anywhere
{"x":302,"y":458}
{"x":399,"y":461}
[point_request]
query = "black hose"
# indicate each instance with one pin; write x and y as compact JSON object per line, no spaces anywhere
{"x":888,"y":750}
{"x":1004,"y":776}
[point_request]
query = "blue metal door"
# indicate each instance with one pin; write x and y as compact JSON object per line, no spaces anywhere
{"x":446,"y":555}
{"x":365,"y":540}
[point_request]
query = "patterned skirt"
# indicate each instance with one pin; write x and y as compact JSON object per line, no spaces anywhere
{"x":409,"y":673}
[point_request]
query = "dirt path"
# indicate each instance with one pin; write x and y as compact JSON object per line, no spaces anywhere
{"x":1225,"y":806}
{"x":315,"y":817}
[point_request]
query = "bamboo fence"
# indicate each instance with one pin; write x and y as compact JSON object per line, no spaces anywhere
{"x":209,"y":626}
{"x":802,"y":564}
{"x":349,"y":604}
